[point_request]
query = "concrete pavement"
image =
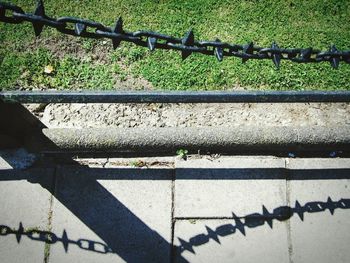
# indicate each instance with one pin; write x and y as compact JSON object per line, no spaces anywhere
{"x":204,"y":209}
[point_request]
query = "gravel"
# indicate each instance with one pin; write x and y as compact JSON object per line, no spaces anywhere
{"x":191,"y":115}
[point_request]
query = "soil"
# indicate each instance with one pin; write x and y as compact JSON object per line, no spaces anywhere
{"x":100,"y":53}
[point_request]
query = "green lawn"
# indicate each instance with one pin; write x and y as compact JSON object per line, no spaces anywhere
{"x":89,"y":64}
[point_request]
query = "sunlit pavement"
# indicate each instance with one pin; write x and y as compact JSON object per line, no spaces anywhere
{"x":206,"y":209}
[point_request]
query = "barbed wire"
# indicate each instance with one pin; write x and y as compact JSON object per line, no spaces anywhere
{"x":10,"y":13}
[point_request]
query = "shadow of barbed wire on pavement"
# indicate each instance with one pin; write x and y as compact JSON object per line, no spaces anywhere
{"x":242,"y":224}
{"x":50,"y":237}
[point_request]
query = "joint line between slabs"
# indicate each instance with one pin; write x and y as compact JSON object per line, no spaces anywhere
{"x":172,"y":247}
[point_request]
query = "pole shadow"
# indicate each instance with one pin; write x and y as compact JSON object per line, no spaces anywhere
{"x":122,"y":232}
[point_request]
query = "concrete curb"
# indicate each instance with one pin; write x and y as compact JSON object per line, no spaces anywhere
{"x":161,"y":140}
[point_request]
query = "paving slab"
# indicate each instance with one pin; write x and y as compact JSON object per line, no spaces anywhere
{"x":317,"y":163}
{"x":25,"y":204}
{"x":320,"y":191}
{"x":321,"y":238}
{"x":112,"y":215}
{"x":212,"y":241}
{"x":221,"y":186}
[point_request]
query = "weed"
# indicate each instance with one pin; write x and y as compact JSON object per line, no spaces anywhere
{"x":182,"y":153}
{"x":192,"y":221}
{"x":138,"y":163}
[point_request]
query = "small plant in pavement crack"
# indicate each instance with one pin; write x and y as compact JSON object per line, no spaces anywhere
{"x":182,"y":153}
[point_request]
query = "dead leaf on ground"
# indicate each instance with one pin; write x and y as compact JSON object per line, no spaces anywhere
{"x":48,"y":69}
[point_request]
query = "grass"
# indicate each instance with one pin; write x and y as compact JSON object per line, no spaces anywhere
{"x":291,"y":23}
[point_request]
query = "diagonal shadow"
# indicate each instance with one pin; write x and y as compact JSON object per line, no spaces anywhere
{"x":124,"y":233}
{"x":111,"y":220}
